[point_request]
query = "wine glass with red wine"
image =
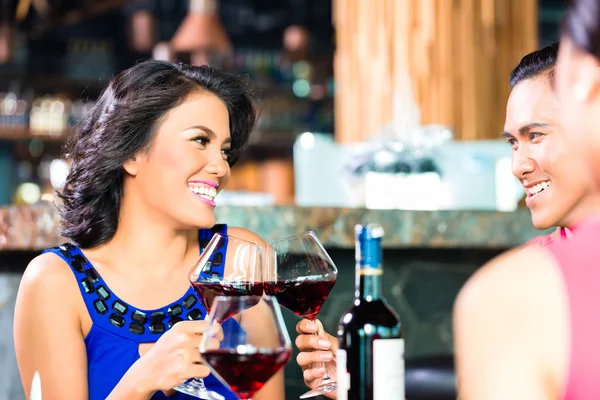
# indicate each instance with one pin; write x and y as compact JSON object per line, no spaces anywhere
{"x":245,"y":359}
{"x":228,"y":266}
{"x":300,"y":275}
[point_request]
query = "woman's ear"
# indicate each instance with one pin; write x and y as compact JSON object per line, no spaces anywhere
{"x":586,"y":87}
{"x":131,"y":166}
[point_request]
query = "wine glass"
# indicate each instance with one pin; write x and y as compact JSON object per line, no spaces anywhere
{"x":301,"y":276}
{"x":228,"y":266}
{"x":245,"y":359}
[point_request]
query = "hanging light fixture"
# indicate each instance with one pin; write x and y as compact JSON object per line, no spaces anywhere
{"x":201,"y":32}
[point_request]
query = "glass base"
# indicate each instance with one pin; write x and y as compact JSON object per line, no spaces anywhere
{"x":327,"y":386}
{"x":196,"y":388}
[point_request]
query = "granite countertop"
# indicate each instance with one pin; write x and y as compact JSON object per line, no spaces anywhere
{"x":36,"y":227}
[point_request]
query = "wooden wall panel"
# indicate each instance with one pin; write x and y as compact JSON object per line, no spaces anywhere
{"x":458,"y":55}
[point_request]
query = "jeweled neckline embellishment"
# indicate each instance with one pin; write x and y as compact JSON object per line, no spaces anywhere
{"x":119,"y":313}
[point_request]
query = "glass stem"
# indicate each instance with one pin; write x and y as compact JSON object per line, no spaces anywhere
{"x":321,"y":364}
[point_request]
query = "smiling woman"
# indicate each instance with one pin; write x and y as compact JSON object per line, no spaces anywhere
{"x":113,"y":315}
{"x":206,"y":190}
{"x":166,"y":116}
{"x":192,"y":144}
{"x":559,"y":189}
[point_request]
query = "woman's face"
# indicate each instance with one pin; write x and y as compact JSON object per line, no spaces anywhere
{"x":553,"y":176}
{"x":578,"y":90}
{"x":177,"y":179}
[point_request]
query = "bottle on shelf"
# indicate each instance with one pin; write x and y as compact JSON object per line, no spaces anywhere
{"x":370,"y":360}
{"x":50,"y":116}
{"x":13,"y":111}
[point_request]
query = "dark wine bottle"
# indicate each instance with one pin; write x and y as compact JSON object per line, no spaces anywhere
{"x":370,"y":360}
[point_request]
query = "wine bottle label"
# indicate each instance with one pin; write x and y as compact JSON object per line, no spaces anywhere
{"x":388,"y":369}
{"x":343,"y":377}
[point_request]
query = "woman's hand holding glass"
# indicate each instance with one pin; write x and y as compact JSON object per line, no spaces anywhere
{"x":228,"y":266}
{"x":174,"y":358}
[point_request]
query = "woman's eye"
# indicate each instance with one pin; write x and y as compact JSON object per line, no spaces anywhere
{"x":226,"y":153}
{"x":201,"y":140}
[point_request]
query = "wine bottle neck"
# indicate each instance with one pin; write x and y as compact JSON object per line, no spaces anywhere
{"x":368,"y":283}
{"x":369,"y":269}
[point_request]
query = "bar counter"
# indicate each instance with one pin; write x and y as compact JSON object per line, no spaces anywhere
{"x":33,"y":228}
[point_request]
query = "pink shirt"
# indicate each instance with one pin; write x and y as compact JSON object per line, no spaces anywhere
{"x":579,"y":261}
{"x":558,"y":234}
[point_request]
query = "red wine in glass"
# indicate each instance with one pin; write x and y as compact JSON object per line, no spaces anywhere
{"x":304,"y":298}
{"x":247,"y":373}
{"x":246,"y":358}
{"x":227,"y":266}
{"x":207,"y":291}
{"x":301,"y":275}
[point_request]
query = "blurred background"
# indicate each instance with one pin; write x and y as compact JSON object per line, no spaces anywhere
{"x":384,"y":111}
{"x":56,"y":56}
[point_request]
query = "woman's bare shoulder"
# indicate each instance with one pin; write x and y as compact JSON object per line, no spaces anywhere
{"x":513,"y":310}
{"x":48,"y":274}
{"x":510,"y":278}
{"x":48,"y":332}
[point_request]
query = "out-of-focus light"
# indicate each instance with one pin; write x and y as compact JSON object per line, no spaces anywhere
{"x":29,"y":193}
{"x":446,"y":134}
{"x":301,"y":70}
{"x":307,"y":140}
{"x":48,"y":197}
{"x":301,"y":88}
{"x":58,"y":173}
{"x":57,"y":107}
{"x":317,"y":92}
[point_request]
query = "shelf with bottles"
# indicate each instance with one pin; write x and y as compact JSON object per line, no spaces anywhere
{"x":13,"y":134}
{"x":82,"y":68}
{"x":274,"y":72}
{"x":48,"y":117}
{"x":58,"y":82}
{"x":36,"y":170}
{"x":295,"y":94}
{"x":282,"y":114}
{"x":78,"y":64}
{"x":52,"y":118}
{"x":294,"y":97}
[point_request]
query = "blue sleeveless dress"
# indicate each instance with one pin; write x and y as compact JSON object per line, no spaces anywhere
{"x":118,"y":328}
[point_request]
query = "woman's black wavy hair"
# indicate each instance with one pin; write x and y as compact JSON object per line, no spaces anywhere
{"x":122,"y":123}
{"x":581,"y":23}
